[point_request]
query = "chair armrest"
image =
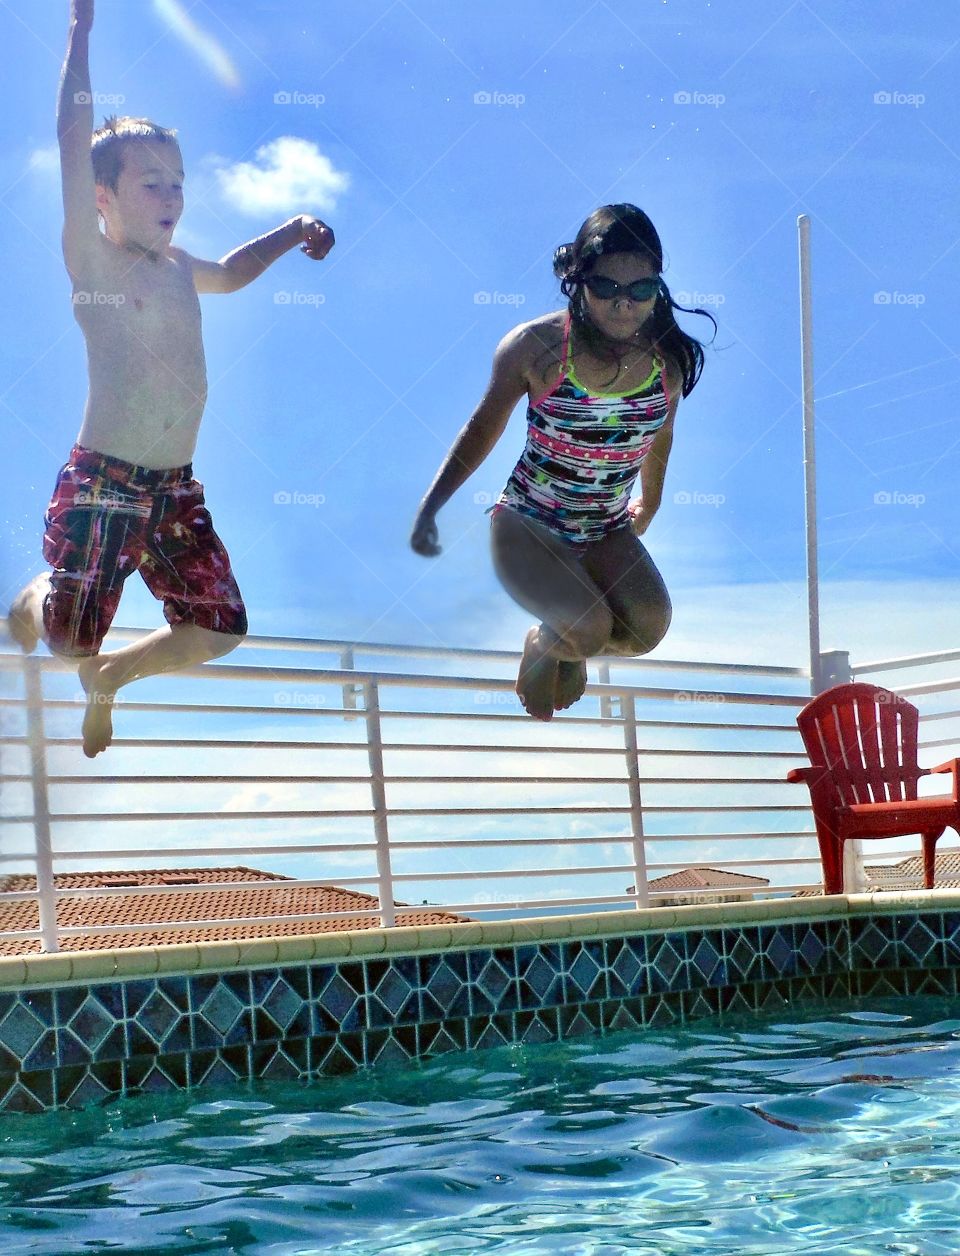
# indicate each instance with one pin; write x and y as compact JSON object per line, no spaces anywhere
{"x":803,"y":776}
{"x":951,"y":765}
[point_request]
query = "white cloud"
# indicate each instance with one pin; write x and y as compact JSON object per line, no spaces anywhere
{"x":45,"y":160}
{"x":288,"y":175}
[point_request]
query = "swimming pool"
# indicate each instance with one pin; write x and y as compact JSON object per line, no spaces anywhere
{"x":832,"y":1129}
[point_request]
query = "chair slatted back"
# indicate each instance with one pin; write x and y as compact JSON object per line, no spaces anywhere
{"x":865,"y":737}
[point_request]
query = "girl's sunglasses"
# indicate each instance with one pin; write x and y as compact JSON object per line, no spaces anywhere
{"x":606,"y":289}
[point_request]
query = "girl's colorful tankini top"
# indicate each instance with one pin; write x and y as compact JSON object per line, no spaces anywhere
{"x":583,"y":453}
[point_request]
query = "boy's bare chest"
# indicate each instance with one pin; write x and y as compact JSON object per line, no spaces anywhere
{"x":149,"y":300}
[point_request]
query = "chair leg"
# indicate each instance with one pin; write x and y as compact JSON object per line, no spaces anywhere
{"x":831,"y":857}
{"x":928,"y":843}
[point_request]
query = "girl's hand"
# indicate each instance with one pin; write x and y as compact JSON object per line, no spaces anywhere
{"x":640,"y":516}
{"x":317,"y":238}
{"x":81,"y":14}
{"x":425,"y":539}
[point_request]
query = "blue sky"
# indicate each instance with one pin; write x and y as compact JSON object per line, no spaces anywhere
{"x":346,"y":380}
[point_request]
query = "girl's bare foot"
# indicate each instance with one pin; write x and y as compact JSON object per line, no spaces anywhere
{"x":97,"y":721}
{"x":571,"y":682}
{"x":537,"y":678}
{"x":25,"y":620}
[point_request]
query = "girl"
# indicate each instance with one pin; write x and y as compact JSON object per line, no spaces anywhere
{"x":603,"y":380}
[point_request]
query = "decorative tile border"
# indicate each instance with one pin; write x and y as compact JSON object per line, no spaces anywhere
{"x":80,"y":1028}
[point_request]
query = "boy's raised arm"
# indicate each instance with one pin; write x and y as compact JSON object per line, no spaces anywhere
{"x":250,"y":260}
{"x":81,"y":229}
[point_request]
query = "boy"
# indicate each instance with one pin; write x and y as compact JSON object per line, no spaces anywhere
{"x":126,"y":499}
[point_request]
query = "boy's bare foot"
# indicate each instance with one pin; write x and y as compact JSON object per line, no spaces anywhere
{"x":25,"y":620}
{"x":537,"y":678}
{"x":97,"y":721}
{"x":571,"y":682}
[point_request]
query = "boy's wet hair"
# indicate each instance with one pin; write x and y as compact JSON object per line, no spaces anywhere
{"x":109,"y":140}
{"x":624,"y":228}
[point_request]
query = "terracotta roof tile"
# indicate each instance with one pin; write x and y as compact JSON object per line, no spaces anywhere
{"x":706,"y":879}
{"x":279,"y":896}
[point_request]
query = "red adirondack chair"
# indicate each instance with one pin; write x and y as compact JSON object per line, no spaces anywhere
{"x":862,"y":744}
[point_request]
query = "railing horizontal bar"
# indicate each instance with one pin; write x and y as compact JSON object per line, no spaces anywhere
{"x":212,"y":708}
{"x":506,"y":873}
{"x":198,"y":743}
{"x":101,"y":817}
{"x":581,"y":810}
{"x":400,"y":845}
{"x":203,"y":743}
{"x":397,"y":780}
{"x":933,"y":686}
{"x":910,"y":660}
{"x":309,"y":645}
{"x":174,"y":779}
{"x":167,"y":852}
{"x":471,"y":684}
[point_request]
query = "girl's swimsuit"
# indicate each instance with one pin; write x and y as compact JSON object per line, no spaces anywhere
{"x":583,"y":453}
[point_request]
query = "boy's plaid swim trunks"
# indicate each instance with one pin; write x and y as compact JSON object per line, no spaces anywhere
{"x":107,"y":519}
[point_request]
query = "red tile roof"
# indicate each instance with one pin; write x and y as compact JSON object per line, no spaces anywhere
{"x":908,"y":873}
{"x":707,"y":879}
{"x":278,"y":896}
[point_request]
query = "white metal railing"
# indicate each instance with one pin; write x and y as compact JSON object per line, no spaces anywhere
{"x":356,"y":827}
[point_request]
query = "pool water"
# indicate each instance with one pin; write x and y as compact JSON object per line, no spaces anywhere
{"x":828,"y":1129}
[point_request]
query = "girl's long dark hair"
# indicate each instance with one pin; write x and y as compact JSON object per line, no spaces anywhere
{"x":624,"y":228}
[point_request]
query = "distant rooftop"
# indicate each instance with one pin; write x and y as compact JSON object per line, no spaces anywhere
{"x":907,"y":874}
{"x":279,"y":896}
{"x":707,"y":879}
{"x":702,"y":879}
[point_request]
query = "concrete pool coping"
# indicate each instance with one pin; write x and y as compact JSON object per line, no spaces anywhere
{"x":63,"y":968}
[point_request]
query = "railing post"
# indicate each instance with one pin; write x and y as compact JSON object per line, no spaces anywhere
{"x":629,"y":715}
{"x":835,"y":668}
{"x":371,"y":699}
{"x":350,"y":691}
{"x":607,"y":711}
{"x":36,"y":738}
